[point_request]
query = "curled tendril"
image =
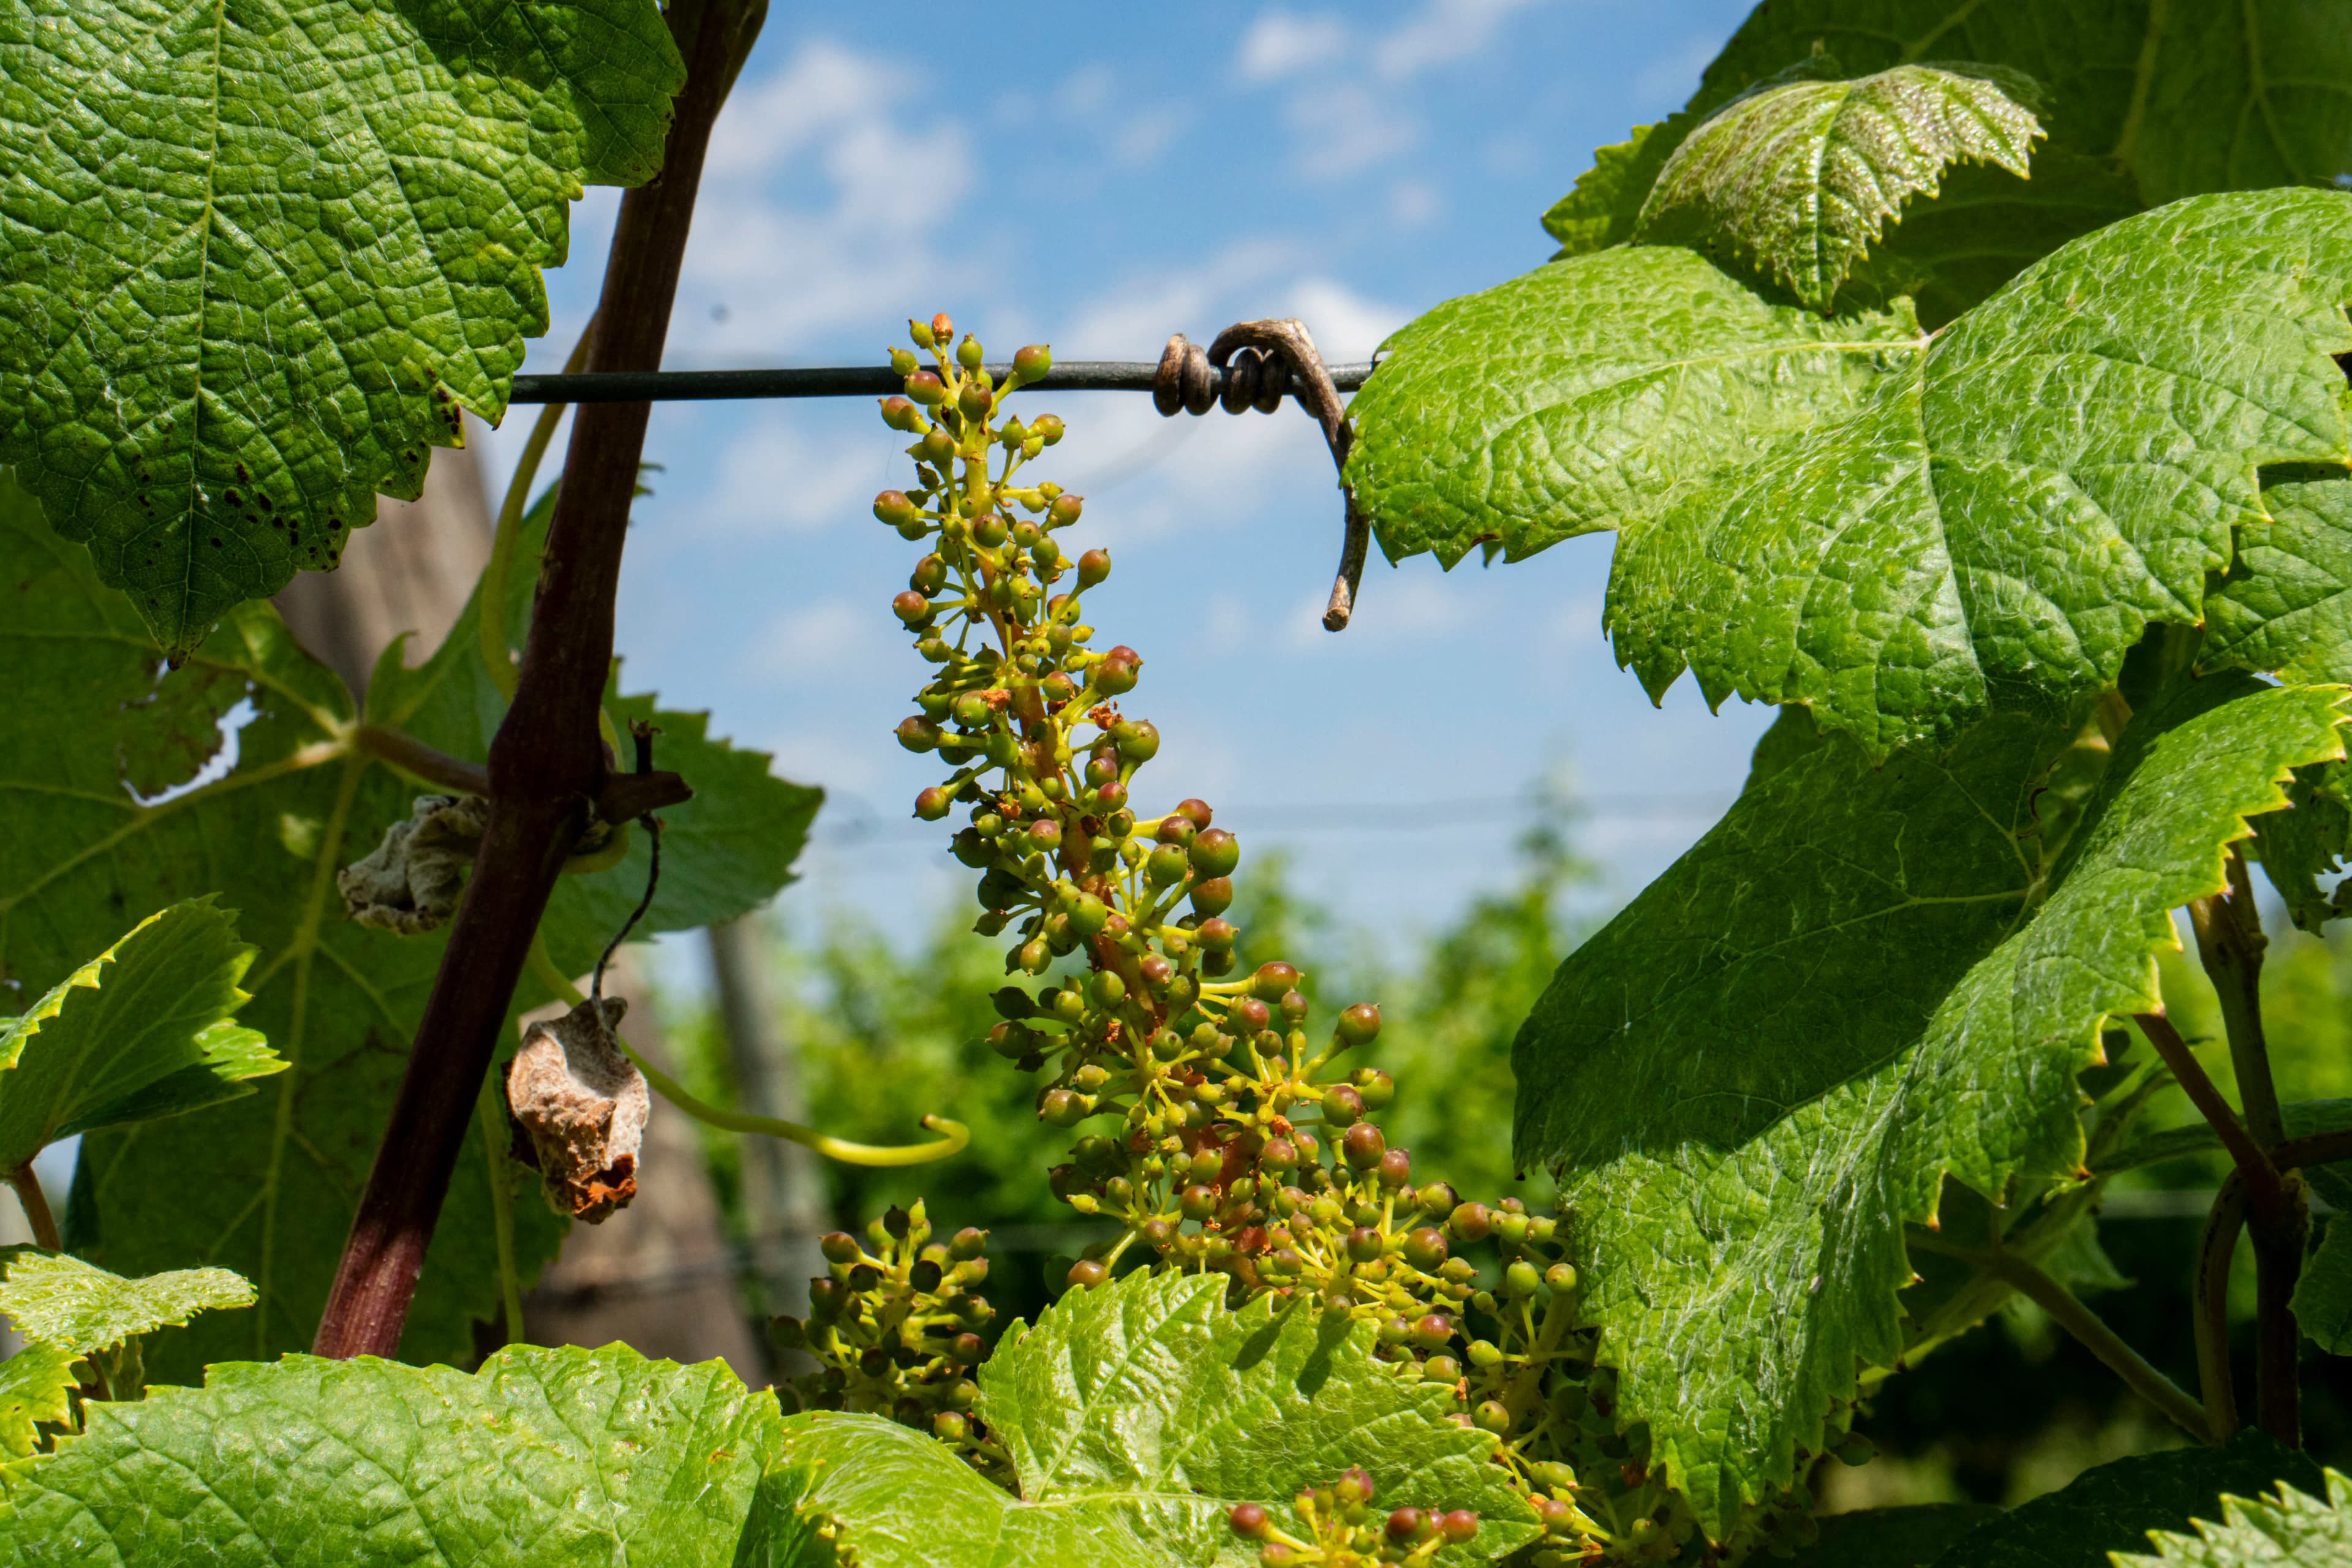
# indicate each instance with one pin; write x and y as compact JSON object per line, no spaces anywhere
{"x":955,"y":1137}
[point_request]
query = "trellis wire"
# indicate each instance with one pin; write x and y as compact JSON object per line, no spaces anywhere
{"x":843,"y":380}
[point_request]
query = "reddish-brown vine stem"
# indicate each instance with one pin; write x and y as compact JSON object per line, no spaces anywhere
{"x":37,"y":1208}
{"x":2261,"y":1178}
{"x":548,"y":767}
{"x":2211,"y":1307}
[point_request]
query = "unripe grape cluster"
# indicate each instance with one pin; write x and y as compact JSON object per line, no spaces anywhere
{"x":894,"y":1326}
{"x":1340,"y":1528}
{"x":1215,"y":1126}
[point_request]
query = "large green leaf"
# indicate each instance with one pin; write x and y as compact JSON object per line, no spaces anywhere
{"x":545,"y":1458}
{"x":2060,"y":466}
{"x":1801,"y":177}
{"x":2113,"y":1507}
{"x":2322,"y":1296}
{"x":1135,"y":1415}
{"x":266,"y":1185}
{"x":2291,"y":1530}
{"x":34,"y":1386}
{"x":1862,"y":980}
{"x":2287,"y":604}
{"x":141,"y":1030}
{"x":2190,"y":98}
{"x":1589,"y":393}
{"x":1984,"y":226}
{"x":1909,"y":1536}
{"x":61,"y":1300}
{"x":255,"y":259}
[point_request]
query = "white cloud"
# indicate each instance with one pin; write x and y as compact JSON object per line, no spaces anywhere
{"x":774,"y":475}
{"x":825,"y":635}
{"x":785,"y":268}
{"x":1148,"y":134}
{"x":1087,"y":91}
{"x":1133,"y":320}
{"x":1445,"y":32}
{"x":1279,"y":44}
{"x":1412,"y":203}
{"x":1344,"y":324}
{"x":1343,"y":128}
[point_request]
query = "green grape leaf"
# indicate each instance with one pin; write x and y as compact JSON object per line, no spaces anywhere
{"x":266,"y":1185}
{"x":56,"y":1300}
{"x":1753,"y":1076}
{"x":1135,"y":1415}
{"x":141,"y":1030}
{"x":1801,"y":177}
{"x":1905,"y":1537}
{"x":34,"y":1384}
{"x":543,"y":1457}
{"x":2290,"y":1530}
{"x":256,"y":262}
{"x":1605,"y":204}
{"x":2286,"y":605}
{"x":2323,"y":1295}
{"x":2057,"y":469}
{"x":2190,"y":98}
{"x":2113,"y":1507}
{"x":1591,"y":392}
{"x":2307,"y":841}
{"x":1956,"y":248}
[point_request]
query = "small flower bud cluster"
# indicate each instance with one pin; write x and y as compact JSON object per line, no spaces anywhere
{"x":894,"y":1326}
{"x":1340,"y":1528}
{"x":1214,"y":1125}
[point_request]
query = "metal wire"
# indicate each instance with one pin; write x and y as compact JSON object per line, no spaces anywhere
{"x":881,"y":381}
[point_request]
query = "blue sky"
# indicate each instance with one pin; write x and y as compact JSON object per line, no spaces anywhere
{"x":1097,"y":177}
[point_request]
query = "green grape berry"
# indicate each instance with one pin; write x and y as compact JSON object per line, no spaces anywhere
{"x":1215,"y":853}
{"x":1214,"y":897}
{"x":925,"y":388}
{"x":1342,"y":1105}
{"x":1521,"y":1279}
{"x":1116,"y":671}
{"x":1032,"y":363}
{"x":932,"y":804}
{"x":1424,"y":1247}
{"x":919,"y":734}
{"x":1218,"y":935}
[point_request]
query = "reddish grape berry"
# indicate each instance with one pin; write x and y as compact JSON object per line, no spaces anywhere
{"x":1355,"y":1484}
{"x":1032,"y":362}
{"x":919,"y":734}
{"x":1218,"y":935}
{"x":1195,"y":811}
{"x":1279,"y":1154}
{"x":1470,"y":1222}
{"x":967,"y":1244}
{"x":1404,"y":1526}
{"x":1459,"y":1526}
{"x":925,"y":388}
{"x":1094,"y":566}
{"x":1197,"y":1202}
{"x":1249,"y":1520}
{"x":893,"y":508}
{"x":1214,"y":897}
{"x":1115,"y":674}
{"x":902,"y":414}
{"x":1434,"y":1330}
{"x":1251,"y":1013}
{"x":910,"y":607}
{"x":838,"y":1247}
{"x":1177,"y":829}
{"x":1085,"y":1273}
{"x":1362,"y":1146}
{"x":1045,"y":833}
{"x":1342,"y":1105}
{"x":1272,"y":981}
{"x":1395,"y":1169}
{"x":1360,"y":1024}
{"x":932,"y":804}
{"x":1424,"y":1247}
{"x":1157,"y":972}
{"x":1363,"y":1244}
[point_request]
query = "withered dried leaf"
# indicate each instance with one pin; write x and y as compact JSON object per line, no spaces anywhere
{"x":583,"y":1105}
{"x":410,"y":883}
